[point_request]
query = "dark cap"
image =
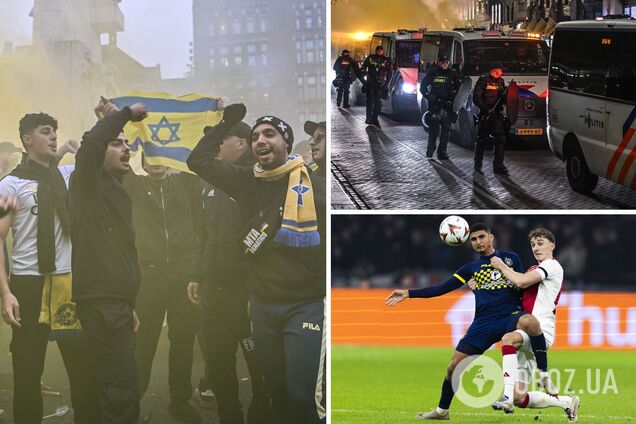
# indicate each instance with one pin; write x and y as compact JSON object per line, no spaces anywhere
{"x":8,"y":147}
{"x":378,"y":48}
{"x":496,"y":65}
{"x":444,"y":58}
{"x":281,"y":126}
{"x":311,"y":126}
{"x":241,"y":130}
{"x":345,"y":51}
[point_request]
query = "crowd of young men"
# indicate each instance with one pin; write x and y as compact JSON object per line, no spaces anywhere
{"x":101,"y":256}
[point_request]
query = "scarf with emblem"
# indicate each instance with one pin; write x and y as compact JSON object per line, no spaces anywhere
{"x":299,"y":226}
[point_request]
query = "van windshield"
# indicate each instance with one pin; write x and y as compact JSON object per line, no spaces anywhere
{"x":407,"y":54}
{"x":519,"y":57}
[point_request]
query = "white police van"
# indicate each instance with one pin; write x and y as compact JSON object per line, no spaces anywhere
{"x":472,"y":52}
{"x":592,"y":101}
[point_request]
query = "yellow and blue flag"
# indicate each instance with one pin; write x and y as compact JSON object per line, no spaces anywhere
{"x":173,"y":127}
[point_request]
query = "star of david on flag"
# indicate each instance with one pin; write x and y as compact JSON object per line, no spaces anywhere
{"x":164,"y":124}
{"x":173,"y":127}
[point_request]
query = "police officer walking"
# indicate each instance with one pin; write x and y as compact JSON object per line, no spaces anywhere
{"x":344,"y":77}
{"x":439,"y":88}
{"x":490,"y":96}
{"x":378,"y":69}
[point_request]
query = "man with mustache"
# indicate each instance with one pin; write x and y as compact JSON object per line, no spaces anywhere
{"x":105,"y":270}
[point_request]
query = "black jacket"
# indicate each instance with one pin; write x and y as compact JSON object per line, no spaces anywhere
{"x":278,"y":274}
{"x":104,"y":257}
{"x":487,"y":92}
{"x":344,"y":69}
{"x":221,"y":259}
{"x":443,"y":85}
{"x":378,"y":69}
{"x":167,"y":215}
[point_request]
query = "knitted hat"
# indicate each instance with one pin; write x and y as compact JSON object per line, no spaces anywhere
{"x":283,"y":128}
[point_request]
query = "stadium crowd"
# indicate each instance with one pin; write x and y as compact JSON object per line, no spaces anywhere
{"x":232,"y":252}
{"x":406,"y":251}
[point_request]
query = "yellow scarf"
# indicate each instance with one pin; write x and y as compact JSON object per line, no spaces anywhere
{"x":57,"y":310}
{"x":300,"y":224}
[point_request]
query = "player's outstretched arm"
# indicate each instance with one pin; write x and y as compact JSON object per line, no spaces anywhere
{"x":396,"y":297}
{"x":519,"y":279}
{"x":447,"y":286}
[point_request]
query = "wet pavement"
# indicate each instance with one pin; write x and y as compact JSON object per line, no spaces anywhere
{"x":388,"y":169}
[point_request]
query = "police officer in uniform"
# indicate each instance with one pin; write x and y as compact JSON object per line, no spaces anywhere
{"x":439,"y":88}
{"x":344,"y":77}
{"x":378,"y":69}
{"x":490,"y":96}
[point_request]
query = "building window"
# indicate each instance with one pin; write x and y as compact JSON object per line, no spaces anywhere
{"x":297,"y":24}
{"x":211,"y":63}
{"x":319,"y":19}
{"x":225,"y":62}
{"x":223,"y":50}
{"x":223,"y":28}
{"x":237,"y":49}
{"x":309,"y":22}
{"x":236,"y":26}
{"x":264,"y":59}
{"x":262,"y":24}
{"x":309,"y":44}
{"x":251,"y":48}
{"x":311,"y":80}
{"x":299,"y":45}
{"x":249,"y":26}
{"x":311,"y":57}
{"x":264,"y":47}
{"x":299,"y":57}
{"x":238,"y":61}
{"x":300,"y":81}
{"x":251,"y":61}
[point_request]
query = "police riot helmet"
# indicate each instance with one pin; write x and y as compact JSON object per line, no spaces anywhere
{"x":443,"y":58}
{"x":378,"y":48}
{"x":345,"y":51}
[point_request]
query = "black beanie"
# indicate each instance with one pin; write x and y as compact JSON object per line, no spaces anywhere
{"x":283,"y":128}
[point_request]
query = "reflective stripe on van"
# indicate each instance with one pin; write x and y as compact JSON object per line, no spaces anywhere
{"x":628,"y":133}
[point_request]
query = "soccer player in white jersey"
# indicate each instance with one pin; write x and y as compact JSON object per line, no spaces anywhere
{"x":542,"y":285}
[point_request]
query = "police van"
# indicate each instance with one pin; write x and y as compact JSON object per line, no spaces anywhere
{"x":525,"y":60}
{"x":402,"y":47}
{"x":592,"y":101}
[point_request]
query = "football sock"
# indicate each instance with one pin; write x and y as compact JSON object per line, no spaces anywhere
{"x":447,"y":395}
{"x":540,"y":351}
{"x":543,"y":400}
{"x":509,"y":364}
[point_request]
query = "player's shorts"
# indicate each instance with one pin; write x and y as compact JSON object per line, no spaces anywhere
{"x":527,"y":363}
{"x":484,"y":332}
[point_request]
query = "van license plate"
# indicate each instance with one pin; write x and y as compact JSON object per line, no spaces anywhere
{"x":529,"y":131}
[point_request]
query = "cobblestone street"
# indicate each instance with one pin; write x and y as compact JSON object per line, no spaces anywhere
{"x":388,"y":169}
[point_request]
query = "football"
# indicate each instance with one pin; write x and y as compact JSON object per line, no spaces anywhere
{"x":454,"y":230}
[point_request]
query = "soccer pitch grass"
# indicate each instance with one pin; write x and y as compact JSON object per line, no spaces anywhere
{"x":392,"y":384}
